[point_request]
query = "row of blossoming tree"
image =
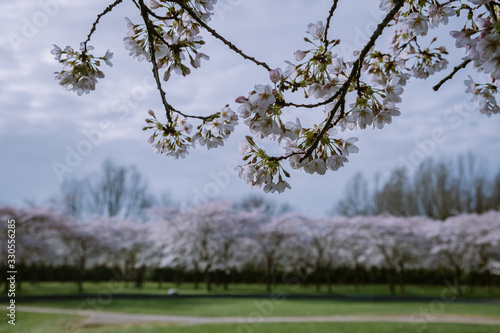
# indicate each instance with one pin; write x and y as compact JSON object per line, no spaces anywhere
{"x":219,"y":236}
{"x":356,"y":92}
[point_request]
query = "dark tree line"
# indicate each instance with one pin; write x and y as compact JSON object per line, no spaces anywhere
{"x":437,"y":189}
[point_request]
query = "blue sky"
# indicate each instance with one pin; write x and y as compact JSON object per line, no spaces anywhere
{"x":41,"y":124}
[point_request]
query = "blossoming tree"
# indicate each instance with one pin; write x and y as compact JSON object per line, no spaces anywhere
{"x":355,"y":93}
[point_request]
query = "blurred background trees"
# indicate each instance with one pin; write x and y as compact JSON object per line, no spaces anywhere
{"x":440,"y":222}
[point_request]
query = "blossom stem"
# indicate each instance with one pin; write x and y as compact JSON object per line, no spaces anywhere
{"x":328,"y":21}
{"x":94,"y":25}
{"x":150,"y":29}
{"x":218,"y":36}
{"x":491,"y":8}
{"x":450,"y":76}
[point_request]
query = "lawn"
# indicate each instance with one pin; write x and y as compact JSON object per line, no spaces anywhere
{"x":45,"y":323}
{"x":100,"y":298}
{"x":114,"y":287}
{"x":270,"y":307}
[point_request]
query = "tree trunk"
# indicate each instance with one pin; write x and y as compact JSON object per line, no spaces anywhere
{"x":195,"y":278}
{"x":390,"y":280}
{"x":356,"y":277}
{"x":226,"y":281}
{"x":208,"y":286}
{"x":317,"y":276}
{"x":269,"y":276}
{"x":161,"y":277}
{"x":328,"y":280}
{"x":217,"y":281}
{"x":472,"y":282}
{"x":456,"y":280}
{"x":401,"y":279}
{"x":80,"y":275}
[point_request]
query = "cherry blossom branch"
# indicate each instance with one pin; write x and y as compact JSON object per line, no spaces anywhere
{"x":280,"y":158}
{"x":156,"y":16}
{"x":94,"y":25}
{"x":398,"y":4}
{"x":450,"y":76}
{"x":150,"y":30}
{"x":491,"y":9}
{"x":328,"y":21}
{"x":218,"y":36}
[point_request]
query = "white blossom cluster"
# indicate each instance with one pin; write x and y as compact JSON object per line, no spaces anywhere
{"x":174,"y":138}
{"x":177,"y":39}
{"x":479,"y":37}
{"x":80,"y":69}
{"x":482,"y":44}
{"x":212,"y":133}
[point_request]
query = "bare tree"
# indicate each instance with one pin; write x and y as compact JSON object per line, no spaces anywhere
{"x":471,"y":184}
{"x":113,"y":191}
{"x":118,"y":191}
{"x":74,"y":194}
{"x":357,"y":199}
{"x":263,"y":205}
{"x":494,"y":200}
{"x":396,"y":196}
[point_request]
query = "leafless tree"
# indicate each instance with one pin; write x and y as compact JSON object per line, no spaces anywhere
{"x":113,"y":191}
{"x":356,"y":199}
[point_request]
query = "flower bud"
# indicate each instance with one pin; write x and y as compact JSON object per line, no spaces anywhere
{"x":153,"y":4}
{"x":299,"y":55}
{"x":275,"y":75}
{"x":241,"y":99}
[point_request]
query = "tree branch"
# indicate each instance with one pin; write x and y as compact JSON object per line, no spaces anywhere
{"x":450,"y":76}
{"x":94,"y":25}
{"x":491,"y":9}
{"x":355,"y":68}
{"x":328,"y":21}
{"x":218,"y":36}
{"x":150,"y":30}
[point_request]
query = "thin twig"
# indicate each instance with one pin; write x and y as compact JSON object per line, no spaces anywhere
{"x":491,"y":8}
{"x":280,"y":158}
{"x":150,"y":28}
{"x":94,"y":25}
{"x":218,"y":36}
{"x":328,"y":20}
{"x":355,"y":68}
{"x":450,"y":76}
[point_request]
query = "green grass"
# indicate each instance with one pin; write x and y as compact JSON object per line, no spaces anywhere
{"x":39,"y":323}
{"x":113,"y":287}
{"x":308,"y":327}
{"x":270,"y":307}
{"x":48,"y":323}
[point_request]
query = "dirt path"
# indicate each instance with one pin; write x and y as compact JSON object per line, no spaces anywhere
{"x":111,"y":318}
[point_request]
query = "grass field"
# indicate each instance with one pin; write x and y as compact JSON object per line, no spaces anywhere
{"x":100,"y":298}
{"x":113,"y":287}
{"x":45,"y":323}
{"x":258,"y":307}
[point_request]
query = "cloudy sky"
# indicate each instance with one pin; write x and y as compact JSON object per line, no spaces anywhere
{"x":42,"y":126}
